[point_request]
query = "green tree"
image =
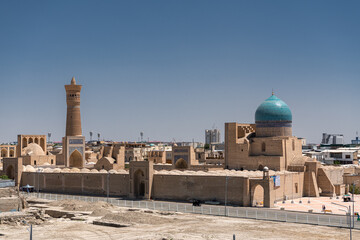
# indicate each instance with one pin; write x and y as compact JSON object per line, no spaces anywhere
{"x":5,"y":177}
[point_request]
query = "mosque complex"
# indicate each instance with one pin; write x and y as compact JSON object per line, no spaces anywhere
{"x":263,"y":163}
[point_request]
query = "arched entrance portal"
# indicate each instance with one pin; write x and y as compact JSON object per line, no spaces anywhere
{"x":257,"y":196}
{"x":25,"y":142}
{"x":76,"y":159}
{"x":181,"y":164}
{"x":4,"y":152}
{"x":10,"y":172}
{"x":42,"y":143}
{"x":139,"y":184}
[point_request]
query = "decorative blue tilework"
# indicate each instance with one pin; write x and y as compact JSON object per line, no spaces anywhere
{"x":273,"y":109}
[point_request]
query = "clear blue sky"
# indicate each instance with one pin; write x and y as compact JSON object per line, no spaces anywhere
{"x":174,"y":68}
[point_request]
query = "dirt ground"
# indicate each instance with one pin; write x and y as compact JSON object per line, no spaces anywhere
{"x":148,"y":224}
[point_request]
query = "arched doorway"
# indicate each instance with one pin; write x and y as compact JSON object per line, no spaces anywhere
{"x":12,"y":153}
{"x":30,"y":140}
{"x":181,"y":164}
{"x":257,"y":196}
{"x":10,"y":172}
{"x":139,"y":184}
{"x":4,"y":152}
{"x":25,"y":142}
{"x":42,"y":143}
{"x":36,"y":140}
{"x":76,"y":159}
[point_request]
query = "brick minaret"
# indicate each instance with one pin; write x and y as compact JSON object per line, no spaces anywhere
{"x":73,"y":119}
{"x":73,"y":142}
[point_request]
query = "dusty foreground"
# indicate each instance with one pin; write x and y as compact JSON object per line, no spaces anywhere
{"x":74,"y":220}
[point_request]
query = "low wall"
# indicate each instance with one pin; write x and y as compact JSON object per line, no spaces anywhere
{"x":10,"y":204}
{"x":9,"y":200}
{"x":7,"y":183}
{"x":159,"y":167}
{"x":78,"y":183}
{"x":206,"y":167}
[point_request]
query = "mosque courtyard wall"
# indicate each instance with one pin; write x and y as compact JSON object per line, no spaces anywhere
{"x":205,"y":188}
{"x":173,"y":186}
{"x":78,"y":183}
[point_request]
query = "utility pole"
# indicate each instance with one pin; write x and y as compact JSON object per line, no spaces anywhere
{"x":292,"y":188}
{"x":309,"y":185}
{"x":38,"y":182}
{"x":350,"y":222}
{"x":108,"y":186}
{"x":29,"y":229}
{"x":348,"y":213}
{"x":226,"y":190}
{"x":353,"y":200}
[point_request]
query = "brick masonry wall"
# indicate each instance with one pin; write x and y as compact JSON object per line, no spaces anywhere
{"x":78,"y":183}
{"x":206,"y":188}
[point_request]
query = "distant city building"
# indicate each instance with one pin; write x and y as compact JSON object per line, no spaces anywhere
{"x":318,"y":155}
{"x":356,"y":141}
{"x":340,"y":156}
{"x":192,"y":144}
{"x":332,"y":139}
{"x":212,"y":136}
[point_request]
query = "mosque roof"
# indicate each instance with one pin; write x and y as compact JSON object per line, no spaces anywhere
{"x":273,"y":109}
{"x":109,"y":159}
{"x":33,"y":149}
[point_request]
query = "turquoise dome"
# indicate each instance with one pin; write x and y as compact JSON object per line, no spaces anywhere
{"x":273,"y":109}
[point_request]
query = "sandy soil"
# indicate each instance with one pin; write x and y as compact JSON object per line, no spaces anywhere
{"x":164,"y":226}
{"x":76,"y":205}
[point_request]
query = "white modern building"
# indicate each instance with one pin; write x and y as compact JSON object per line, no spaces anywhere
{"x":340,"y":156}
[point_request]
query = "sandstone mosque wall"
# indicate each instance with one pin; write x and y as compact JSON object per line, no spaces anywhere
{"x":175,"y":187}
{"x":206,"y":188}
{"x":78,"y":183}
{"x":239,"y":189}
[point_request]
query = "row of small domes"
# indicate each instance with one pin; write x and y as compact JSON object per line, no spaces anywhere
{"x":30,"y":168}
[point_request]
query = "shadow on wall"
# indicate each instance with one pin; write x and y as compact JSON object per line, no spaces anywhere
{"x":181,"y":164}
{"x":139,"y":184}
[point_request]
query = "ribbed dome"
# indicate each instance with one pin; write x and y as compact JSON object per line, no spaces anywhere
{"x":33,"y":149}
{"x":273,"y":109}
